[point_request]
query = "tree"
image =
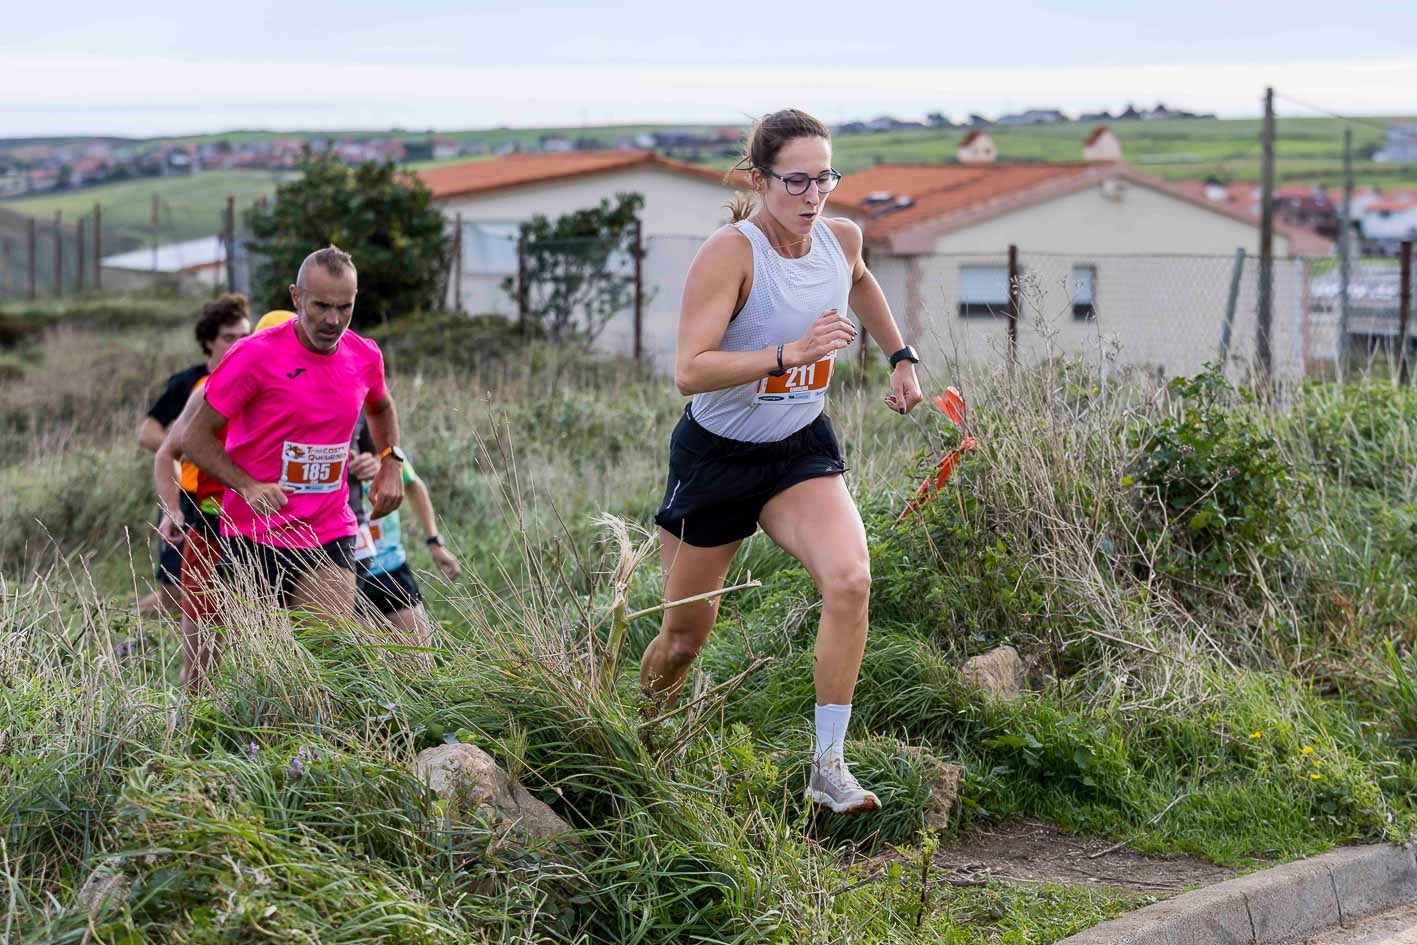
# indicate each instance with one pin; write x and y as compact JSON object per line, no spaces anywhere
{"x":381,"y":216}
{"x":579,"y":269}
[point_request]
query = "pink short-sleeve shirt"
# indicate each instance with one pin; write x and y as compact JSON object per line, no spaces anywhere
{"x":290,"y":414}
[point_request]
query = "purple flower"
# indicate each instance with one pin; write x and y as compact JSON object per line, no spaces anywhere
{"x":251,"y":749}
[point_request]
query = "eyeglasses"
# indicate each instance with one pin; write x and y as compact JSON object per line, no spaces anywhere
{"x":797,"y":184}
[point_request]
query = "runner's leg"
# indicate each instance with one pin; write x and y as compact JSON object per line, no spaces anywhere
{"x":326,"y":589}
{"x":683,"y":631}
{"x":412,"y":625}
{"x":817,"y":523}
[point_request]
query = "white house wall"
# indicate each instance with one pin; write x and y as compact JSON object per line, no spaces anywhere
{"x":680,"y":212}
{"x":1163,"y":274}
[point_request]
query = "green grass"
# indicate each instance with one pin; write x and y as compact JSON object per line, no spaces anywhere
{"x":1193,"y":690}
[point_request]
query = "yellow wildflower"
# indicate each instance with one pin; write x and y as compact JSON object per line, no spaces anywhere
{"x":1307,"y":750}
{"x":1257,"y":733}
{"x":1316,"y":777}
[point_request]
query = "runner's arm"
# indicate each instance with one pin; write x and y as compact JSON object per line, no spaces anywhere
{"x":200,"y":444}
{"x":386,"y":491}
{"x":870,"y":305}
{"x":150,"y":434}
{"x":167,"y":470}
{"x":867,"y":299}
{"x":711,"y":292}
{"x":422,"y":502}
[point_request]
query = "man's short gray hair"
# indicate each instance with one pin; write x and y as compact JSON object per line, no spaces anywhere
{"x":332,"y":259}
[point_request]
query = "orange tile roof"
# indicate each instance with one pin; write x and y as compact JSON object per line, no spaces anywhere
{"x":938,"y":190}
{"x":1097,"y":132}
{"x":516,"y":170}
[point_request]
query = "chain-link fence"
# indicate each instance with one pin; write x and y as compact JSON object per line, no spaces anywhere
{"x":136,"y":243}
{"x":1168,"y":313}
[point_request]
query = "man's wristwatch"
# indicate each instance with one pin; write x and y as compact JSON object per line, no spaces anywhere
{"x":905,"y":354}
{"x":434,"y":540}
{"x":393,"y":451}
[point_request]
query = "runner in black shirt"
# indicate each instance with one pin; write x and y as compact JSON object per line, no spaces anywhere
{"x":222,"y":322}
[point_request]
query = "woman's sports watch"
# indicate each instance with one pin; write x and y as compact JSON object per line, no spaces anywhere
{"x":393,"y":451}
{"x":907,"y":353}
{"x":434,"y":540}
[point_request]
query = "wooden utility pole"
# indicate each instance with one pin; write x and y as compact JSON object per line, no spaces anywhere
{"x":58,"y":253}
{"x":523,"y":299}
{"x":1266,"y":289}
{"x":97,"y":247}
{"x":1404,"y":310}
{"x":1345,"y":251}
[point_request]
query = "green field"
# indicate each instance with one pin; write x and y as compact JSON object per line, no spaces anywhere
{"x":1307,"y":149}
{"x":189,"y":206}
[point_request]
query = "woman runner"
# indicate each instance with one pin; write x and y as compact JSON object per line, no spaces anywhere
{"x":763,"y":318}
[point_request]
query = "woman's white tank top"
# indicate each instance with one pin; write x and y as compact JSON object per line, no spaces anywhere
{"x":787,"y":296}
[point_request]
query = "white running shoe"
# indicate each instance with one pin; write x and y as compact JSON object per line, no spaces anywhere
{"x":832,"y":784}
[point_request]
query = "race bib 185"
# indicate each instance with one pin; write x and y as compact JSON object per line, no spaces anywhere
{"x":312,"y":467}
{"x":800,"y":384}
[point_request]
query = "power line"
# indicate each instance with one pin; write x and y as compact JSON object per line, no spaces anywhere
{"x":1398,"y":130}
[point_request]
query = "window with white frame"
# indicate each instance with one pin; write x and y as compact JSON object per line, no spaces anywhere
{"x":1084,"y":292}
{"x":983,"y":291}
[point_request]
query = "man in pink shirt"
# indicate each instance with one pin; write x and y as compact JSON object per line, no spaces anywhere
{"x":289,"y":398}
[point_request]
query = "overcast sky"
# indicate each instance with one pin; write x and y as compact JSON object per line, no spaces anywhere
{"x":89,"y":67}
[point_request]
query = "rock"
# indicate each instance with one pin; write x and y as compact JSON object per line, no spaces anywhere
{"x":470,"y":781}
{"x":944,"y":796}
{"x":945,"y":778}
{"x":998,"y":672}
{"x":106,"y":888}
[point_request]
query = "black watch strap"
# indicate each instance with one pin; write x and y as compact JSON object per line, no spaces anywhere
{"x":781,"y":370}
{"x":434,"y":540}
{"x":907,"y":353}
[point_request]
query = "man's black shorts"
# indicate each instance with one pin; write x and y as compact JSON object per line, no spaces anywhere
{"x":391,"y":591}
{"x":279,"y":568}
{"x":717,"y":487}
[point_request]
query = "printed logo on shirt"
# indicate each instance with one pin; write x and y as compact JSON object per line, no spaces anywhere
{"x":798,"y":385}
{"x":307,"y":468}
{"x":295,"y":373}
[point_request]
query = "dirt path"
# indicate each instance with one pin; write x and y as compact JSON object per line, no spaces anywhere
{"x":1027,"y":851}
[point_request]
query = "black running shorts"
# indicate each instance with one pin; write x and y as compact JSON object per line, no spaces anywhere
{"x":279,"y":568}
{"x":391,"y":591}
{"x":717,"y":487}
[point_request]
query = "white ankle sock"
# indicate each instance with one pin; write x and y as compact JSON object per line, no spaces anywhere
{"x":831,"y":730}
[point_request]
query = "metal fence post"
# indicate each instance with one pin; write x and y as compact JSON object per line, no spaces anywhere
{"x":523,"y":308}
{"x":229,"y":238}
{"x":639,"y":252}
{"x":1404,"y":311}
{"x":58,"y":253}
{"x":79,"y":256}
{"x":33,"y":236}
{"x":1013,"y":306}
{"x":1230,"y":304}
{"x":97,"y":247}
{"x":457,"y":263}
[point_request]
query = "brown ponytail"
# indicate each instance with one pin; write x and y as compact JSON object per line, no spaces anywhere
{"x":761,"y":147}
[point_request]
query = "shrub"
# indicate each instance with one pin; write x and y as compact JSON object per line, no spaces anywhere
{"x":1215,"y":478}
